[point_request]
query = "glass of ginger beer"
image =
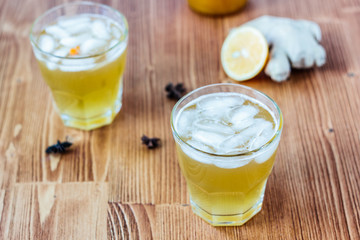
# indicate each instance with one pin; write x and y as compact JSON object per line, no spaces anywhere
{"x":226,"y":137}
{"x":81,"y":51}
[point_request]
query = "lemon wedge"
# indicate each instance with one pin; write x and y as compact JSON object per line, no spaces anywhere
{"x":244,"y":53}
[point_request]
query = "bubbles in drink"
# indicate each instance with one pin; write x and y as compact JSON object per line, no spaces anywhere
{"x":225,"y":123}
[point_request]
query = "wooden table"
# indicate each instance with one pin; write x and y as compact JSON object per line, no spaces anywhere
{"x":111,"y":186}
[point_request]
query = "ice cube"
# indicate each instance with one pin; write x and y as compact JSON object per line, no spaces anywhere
{"x":265,"y":154}
{"x":213,"y":113}
{"x":249,"y":138}
{"x":99,"y":30}
{"x":113,"y":43}
{"x":77,"y":65}
{"x":242,"y":113}
{"x":92,"y":46}
{"x":51,"y":66}
{"x":56,"y":31}
{"x":234,"y":143}
{"x":217,"y":106}
{"x":221,"y":162}
{"x":75,"y":68}
{"x":211,"y":139}
{"x":268,"y":131}
{"x":241,"y":125}
{"x":116,"y":32}
{"x":184,"y":122}
{"x":78,"y":28}
{"x":69,"y":22}
{"x":262,"y":125}
{"x":231,"y":164}
{"x":213,"y":126}
{"x":251,"y":132}
{"x":258,"y":142}
{"x":74,"y":41}
{"x":196,"y":155}
{"x":47,"y":43}
{"x":116,"y":52}
{"x":78,"y":61}
{"x":261,"y":132}
{"x":200,"y":146}
{"x":62,"y":52}
{"x":218,"y":102}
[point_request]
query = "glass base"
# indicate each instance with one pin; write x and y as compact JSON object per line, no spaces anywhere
{"x":227,"y":220}
{"x":92,"y":123}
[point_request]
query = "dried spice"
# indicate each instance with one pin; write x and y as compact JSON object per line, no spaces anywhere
{"x":151,"y":143}
{"x":175,"y":92}
{"x":59,"y":147}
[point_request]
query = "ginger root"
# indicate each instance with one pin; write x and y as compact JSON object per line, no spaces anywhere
{"x":294,"y":43}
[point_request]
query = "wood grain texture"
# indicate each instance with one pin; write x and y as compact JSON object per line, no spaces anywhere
{"x":111,"y":186}
{"x":53,"y":211}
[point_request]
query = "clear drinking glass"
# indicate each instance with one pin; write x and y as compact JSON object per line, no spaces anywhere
{"x":225,"y":189}
{"x":86,"y":88}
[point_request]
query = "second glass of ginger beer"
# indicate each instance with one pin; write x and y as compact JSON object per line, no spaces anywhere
{"x":226,"y":138}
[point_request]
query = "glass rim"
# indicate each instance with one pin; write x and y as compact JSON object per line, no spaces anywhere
{"x":245,"y":153}
{"x":34,"y":42}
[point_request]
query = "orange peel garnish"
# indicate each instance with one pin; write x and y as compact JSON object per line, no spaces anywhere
{"x":74,"y":51}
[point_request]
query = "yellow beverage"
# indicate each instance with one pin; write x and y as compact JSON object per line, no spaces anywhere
{"x":226,"y":144}
{"x":82,"y":59}
{"x":90,"y":97}
{"x":216,"y":7}
{"x":224,"y":194}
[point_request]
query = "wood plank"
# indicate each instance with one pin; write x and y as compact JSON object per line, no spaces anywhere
{"x":177,"y":221}
{"x":131,"y":221}
{"x":53,"y":211}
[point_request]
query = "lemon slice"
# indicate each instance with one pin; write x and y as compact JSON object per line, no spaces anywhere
{"x":244,"y":53}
